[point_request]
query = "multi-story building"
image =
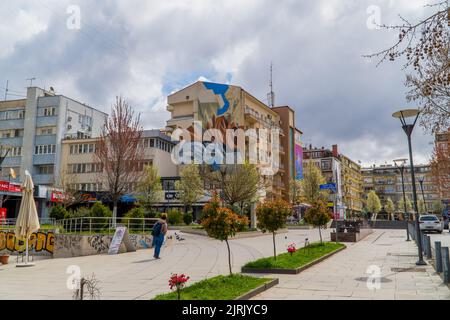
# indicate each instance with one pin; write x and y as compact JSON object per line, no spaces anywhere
{"x":386,"y":181}
{"x":351,"y":186}
{"x":330,"y":164}
{"x":222,"y":107}
{"x":34,"y":127}
{"x":442,"y":174}
{"x":82,"y":172}
{"x":291,"y":149}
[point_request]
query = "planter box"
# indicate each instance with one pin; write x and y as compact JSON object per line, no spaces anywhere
{"x":4,"y":259}
{"x":292,"y":271}
{"x":351,"y":236}
{"x":259,"y":290}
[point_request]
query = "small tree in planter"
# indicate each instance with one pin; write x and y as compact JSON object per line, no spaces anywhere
{"x":318,"y":215}
{"x":272,"y":216}
{"x":178,"y":282}
{"x":221,"y":223}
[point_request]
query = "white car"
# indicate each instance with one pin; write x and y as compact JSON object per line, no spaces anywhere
{"x":430,"y":222}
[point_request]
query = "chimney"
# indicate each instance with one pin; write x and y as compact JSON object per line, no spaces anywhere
{"x":335,"y":151}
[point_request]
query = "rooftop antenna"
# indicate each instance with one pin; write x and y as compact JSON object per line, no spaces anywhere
{"x":6,"y":90}
{"x":31,"y":81}
{"x":271,"y":95}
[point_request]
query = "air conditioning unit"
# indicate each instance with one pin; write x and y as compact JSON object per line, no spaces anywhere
{"x":69,"y":119}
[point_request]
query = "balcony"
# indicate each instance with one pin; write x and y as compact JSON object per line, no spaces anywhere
{"x":12,"y":142}
{"x":46,"y":140}
{"x":43,"y":159}
{"x":47,"y":121}
{"x":12,"y":124}
{"x":43,"y":179}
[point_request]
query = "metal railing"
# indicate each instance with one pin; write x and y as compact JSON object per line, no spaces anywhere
{"x":11,"y":222}
{"x":100,"y":225}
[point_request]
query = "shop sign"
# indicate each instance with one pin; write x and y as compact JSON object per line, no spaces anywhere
{"x":6,"y":186}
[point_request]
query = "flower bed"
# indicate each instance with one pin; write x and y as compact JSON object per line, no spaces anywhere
{"x":222,"y":288}
{"x":294,"y":261}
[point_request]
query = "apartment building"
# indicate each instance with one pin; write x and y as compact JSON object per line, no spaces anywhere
{"x":330,"y":165}
{"x":386,"y":181}
{"x":33,"y":129}
{"x":81,"y":170}
{"x":352,"y":186}
{"x":224,"y":107}
{"x":291,"y":149}
{"x":442,"y":175}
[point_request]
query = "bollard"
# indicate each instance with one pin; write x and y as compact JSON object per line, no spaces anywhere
{"x":428,"y":246}
{"x":424,"y":244}
{"x":438,"y":261}
{"x":445,"y":265}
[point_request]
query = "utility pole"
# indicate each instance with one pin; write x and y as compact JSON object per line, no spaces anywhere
{"x":6,"y":90}
{"x":271,"y":95}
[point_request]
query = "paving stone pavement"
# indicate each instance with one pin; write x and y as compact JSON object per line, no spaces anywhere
{"x":345,"y":275}
{"x":138,"y":276}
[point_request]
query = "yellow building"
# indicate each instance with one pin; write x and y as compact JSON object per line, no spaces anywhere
{"x":352,"y":186}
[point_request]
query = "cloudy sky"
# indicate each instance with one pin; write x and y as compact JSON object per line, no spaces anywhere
{"x":146,"y":49}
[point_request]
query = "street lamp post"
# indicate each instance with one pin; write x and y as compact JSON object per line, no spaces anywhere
{"x":421,"y":180}
{"x":408,"y":128}
{"x":400,"y":164}
{"x":4,"y":151}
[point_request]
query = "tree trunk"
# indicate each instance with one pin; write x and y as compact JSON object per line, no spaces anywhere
{"x":320,"y":234}
{"x":229,"y":256}
{"x":274,"y":247}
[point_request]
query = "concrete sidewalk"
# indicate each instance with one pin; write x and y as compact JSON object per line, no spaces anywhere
{"x":352,"y":274}
{"x":138,"y":276}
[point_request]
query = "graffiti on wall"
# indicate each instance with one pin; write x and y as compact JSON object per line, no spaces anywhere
{"x":39,"y":242}
{"x":99,"y":243}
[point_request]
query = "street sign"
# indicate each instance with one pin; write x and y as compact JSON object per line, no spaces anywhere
{"x":329,"y":186}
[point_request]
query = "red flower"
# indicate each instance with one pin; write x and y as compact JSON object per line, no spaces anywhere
{"x":291,"y":248}
{"x":177,"y":281}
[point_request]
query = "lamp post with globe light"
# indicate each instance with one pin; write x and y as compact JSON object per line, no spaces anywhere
{"x":404,"y":115}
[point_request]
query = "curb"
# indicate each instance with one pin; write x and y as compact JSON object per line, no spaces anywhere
{"x":292,"y":271}
{"x":260,"y":289}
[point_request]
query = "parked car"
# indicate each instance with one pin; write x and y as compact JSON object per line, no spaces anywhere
{"x":430,"y":222}
{"x":292,"y":220}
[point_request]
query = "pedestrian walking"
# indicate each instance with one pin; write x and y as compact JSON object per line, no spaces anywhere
{"x":159,"y":231}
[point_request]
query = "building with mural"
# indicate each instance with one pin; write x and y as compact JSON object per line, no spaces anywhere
{"x":222,"y":107}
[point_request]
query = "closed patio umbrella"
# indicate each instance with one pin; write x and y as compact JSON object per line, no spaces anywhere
{"x":27,"y":220}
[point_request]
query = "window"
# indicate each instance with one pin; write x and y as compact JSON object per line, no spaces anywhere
{"x":15,"y":152}
{"x":82,"y":148}
{"x":84,"y":168}
{"x":45,"y":149}
{"x":46,"y":131}
{"x":50,"y":112}
{"x":46,"y":169}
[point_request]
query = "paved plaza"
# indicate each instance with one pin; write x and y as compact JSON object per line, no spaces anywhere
{"x":138,"y":276}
